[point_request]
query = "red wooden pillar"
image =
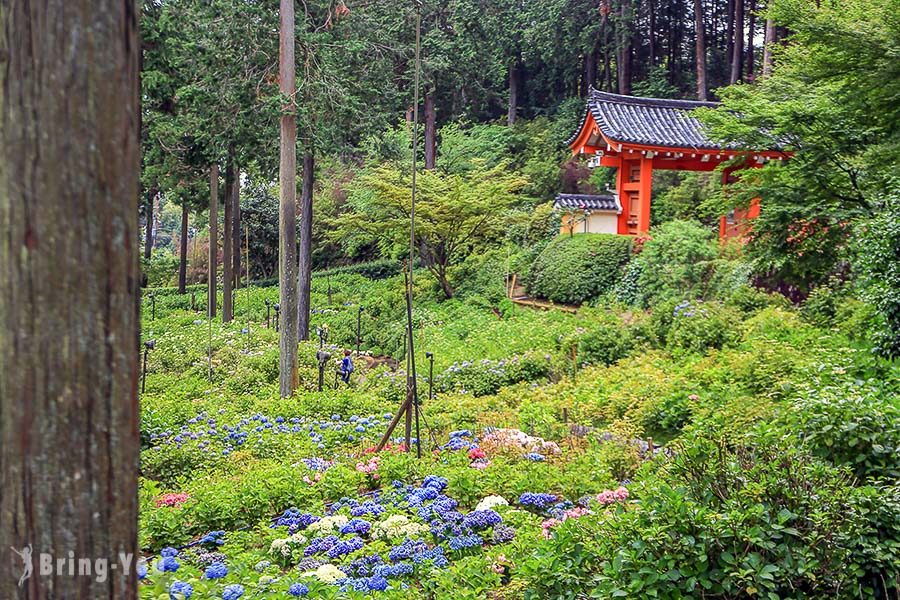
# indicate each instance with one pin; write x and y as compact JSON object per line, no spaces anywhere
{"x":644,"y":193}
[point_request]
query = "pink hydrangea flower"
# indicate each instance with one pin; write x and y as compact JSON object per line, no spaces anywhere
{"x":547,"y":525}
{"x":611,"y":496}
{"x":476,"y":453}
{"x":368,"y":467}
{"x":174,"y":499}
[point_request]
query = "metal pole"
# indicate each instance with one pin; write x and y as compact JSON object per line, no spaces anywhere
{"x":430,"y":358}
{"x":148,"y":346}
{"x":144,"y":371}
{"x":153,"y":302}
{"x":358,"y":325}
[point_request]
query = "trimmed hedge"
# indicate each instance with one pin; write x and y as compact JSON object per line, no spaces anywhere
{"x":574,"y":269}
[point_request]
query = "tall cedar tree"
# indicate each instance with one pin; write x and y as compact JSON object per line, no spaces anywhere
{"x":287,"y":222}
{"x":69,"y":286}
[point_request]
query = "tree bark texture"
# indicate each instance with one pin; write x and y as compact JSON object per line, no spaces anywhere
{"x":287,"y":214}
{"x":737,"y":55}
{"x":751,"y":32}
{"x":148,"y":231}
{"x":236,"y":244}
{"x":700,"y":49}
{"x":182,"y":249}
{"x":771,"y":39}
{"x":212,"y":277}
{"x":306,"y":221}
{"x":430,"y":130}
{"x":69,"y":291}
{"x":227,"y":249}
{"x":513,"y":104}
{"x":623,"y":46}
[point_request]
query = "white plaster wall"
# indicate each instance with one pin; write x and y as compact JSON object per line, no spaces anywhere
{"x":605,"y":222}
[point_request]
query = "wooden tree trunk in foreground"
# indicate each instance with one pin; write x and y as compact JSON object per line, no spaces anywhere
{"x":69,"y":286}
{"x":287,"y":214}
{"x":306,"y":221}
{"x":212,"y":275}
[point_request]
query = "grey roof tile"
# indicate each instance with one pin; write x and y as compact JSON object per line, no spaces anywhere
{"x":586,"y":202}
{"x":648,"y":121}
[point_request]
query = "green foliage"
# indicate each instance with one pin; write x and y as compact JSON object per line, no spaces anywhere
{"x":830,"y":101}
{"x":455,"y":214}
{"x":764,"y":521}
{"x":574,"y":269}
{"x":854,"y":427}
{"x":606,"y":341}
{"x":683,"y":196}
{"x":878,"y":264}
{"x":675,"y":262}
{"x":160,"y":269}
{"x":701,"y":326}
{"x":656,"y":85}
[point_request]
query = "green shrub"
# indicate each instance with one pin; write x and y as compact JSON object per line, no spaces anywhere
{"x":878,"y":265}
{"x":676,"y":261}
{"x":749,"y":299}
{"x":486,"y":376}
{"x":605,"y":342}
{"x":701,"y":326}
{"x":718,"y":522}
{"x":628,"y":289}
{"x":857,"y":428}
{"x":574,"y":269}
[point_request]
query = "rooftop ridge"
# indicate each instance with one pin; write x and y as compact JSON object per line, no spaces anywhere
{"x":595,"y":94}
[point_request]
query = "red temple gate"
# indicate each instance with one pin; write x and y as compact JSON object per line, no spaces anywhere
{"x":639,"y":135}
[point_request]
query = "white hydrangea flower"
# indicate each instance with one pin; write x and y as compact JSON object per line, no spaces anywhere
{"x":327,"y":524}
{"x":398,"y":526}
{"x":329,"y":573}
{"x":490,"y":502}
{"x":279,"y":546}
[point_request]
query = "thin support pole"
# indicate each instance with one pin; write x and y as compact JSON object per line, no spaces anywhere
{"x":411,"y":401}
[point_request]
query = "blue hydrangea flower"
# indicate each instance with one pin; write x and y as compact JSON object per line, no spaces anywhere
{"x":180,"y":590}
{"x":465,"y":541}
{"x":359,"y":526}
{"x":216,"y":571}
{"x":298,"y":589}
{"x":141,"y":570}
{"x":213,"y":538}
{"x":233,"y":591}
{"x":168,"y":552}
{"x":167,"y":564}
{"x":535,"y":457}
{"x":345,"y":547}
{"x":377,"y":584}
{"x":262,"y":565}
{"x":503,"y":534}
{"x":537,"y":500}
{"x":482,"y":519}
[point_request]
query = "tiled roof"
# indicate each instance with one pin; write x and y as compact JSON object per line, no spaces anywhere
{"x":648,"y":121}
{"x":586,"y":202}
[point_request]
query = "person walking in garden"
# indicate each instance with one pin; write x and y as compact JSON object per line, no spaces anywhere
{"x":346,"y":367}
